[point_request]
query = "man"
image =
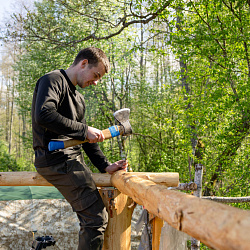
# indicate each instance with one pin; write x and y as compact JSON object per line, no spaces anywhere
{"x":58,"y":113}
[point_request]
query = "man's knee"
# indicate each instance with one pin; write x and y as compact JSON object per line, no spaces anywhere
{"x":95,"y":216}
{"x":91,"y":211}
{"x":104,"y":218}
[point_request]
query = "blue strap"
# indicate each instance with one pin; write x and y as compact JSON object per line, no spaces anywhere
{"x":53,"y":145}
{"x":114,"y":131}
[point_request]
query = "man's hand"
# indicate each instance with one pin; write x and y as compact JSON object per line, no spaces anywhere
{"x":95,"y":135}
{"x":119,"y":165}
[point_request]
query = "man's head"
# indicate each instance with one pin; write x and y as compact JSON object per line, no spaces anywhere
{"x":89,"y":66}
{"x":94,"y":56}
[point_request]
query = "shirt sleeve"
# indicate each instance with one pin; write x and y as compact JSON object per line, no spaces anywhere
{"x":49,"y":94}
{"x":96,"y":156}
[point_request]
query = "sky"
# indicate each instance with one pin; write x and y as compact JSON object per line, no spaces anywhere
{"x":5,"y":6}
{"x":5,"y":11}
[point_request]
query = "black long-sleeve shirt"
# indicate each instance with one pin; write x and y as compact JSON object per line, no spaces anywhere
{"x":58,"y":111}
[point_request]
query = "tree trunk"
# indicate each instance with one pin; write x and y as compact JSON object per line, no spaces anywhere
{"x":11,"y":116}
{"x":195,"y":244}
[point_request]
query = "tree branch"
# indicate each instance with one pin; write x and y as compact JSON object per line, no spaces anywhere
{"x":228,"y":199}
{"x":45,"y":36}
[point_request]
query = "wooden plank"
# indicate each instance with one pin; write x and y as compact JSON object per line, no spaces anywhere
{"x":217,"y":225}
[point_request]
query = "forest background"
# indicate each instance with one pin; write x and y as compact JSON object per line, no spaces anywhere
{"x":182,"y":67}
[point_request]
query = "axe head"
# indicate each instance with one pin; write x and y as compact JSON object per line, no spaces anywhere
{"x":122,"y":116}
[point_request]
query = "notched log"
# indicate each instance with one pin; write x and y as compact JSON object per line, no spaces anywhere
{"x":185,"y":186}
{"x":178,"y":217}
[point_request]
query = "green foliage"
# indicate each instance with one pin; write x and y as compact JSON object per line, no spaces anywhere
{"x":10,"y":163}
{"x":212,"y":39}
{"x":185,"y":76}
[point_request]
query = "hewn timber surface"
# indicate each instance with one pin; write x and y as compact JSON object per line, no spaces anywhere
{"x":219,"y":226}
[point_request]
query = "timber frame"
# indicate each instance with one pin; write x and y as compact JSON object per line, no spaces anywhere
{"x":217,"y":225}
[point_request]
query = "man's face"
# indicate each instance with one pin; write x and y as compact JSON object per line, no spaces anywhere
{"x":89,"y":74}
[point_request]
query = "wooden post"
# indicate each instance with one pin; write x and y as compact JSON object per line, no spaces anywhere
{"x":120,"y":209}
{"x":217,"y":225}
{"x":156,"y":225}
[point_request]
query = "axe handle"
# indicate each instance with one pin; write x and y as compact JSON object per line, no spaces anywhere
{"x":108,"y":133}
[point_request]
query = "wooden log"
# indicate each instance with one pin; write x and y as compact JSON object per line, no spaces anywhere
{"x":185,"y":186}
{"x":22,"y":179}
{"x":156,"y":226}
{"x":168,"y":179}
{"x":217,"y":225}
{"x":120,"y":208}
{"x":101,"y":180}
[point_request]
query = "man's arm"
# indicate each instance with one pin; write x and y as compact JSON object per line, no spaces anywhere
{"x":48,"y":94}
{"x":100,"y":161}
{"x":119,"y":165}
{"x":96,"y":156}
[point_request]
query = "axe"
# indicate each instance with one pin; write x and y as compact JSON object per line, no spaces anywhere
{"x":124,"y":128}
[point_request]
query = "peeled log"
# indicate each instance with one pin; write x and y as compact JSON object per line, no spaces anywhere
{"x":167,"y":179}
{"x":120,"y":208}
{"x":22,"y":179}
{"x":217,"y":225}
{"x":101,"y":180}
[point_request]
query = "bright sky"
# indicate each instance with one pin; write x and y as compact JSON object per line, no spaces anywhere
{"x":10,"y":6}
{"x":5,"y":6}
{"x":4,"y":3}
{"x":4,"y":10}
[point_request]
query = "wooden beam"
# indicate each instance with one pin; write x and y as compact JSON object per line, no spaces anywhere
{"x":156,"y":226}
{"x":168,"y":179}
{"x":101,"y":180}
{"x":120,"y":208}
{"x":217,"y":225}
{"x":22,"y":179}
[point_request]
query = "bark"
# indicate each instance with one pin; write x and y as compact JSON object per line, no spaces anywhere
{"x":228,"y":199}
{"x":185,"y":186}
{"x":195,"y":244}
{"x":11,"y":117}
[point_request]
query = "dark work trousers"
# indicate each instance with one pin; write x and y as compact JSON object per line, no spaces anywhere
{"x":76,"y":184}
